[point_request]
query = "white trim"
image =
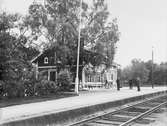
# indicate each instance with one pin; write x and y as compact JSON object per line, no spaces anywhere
{"x":47,"y":66}
{"x":36,"y":57}
{"x":48,"y":75}
{"x":46,"y":60}
{"x":36,"y":75}
{"x":54,"y":66}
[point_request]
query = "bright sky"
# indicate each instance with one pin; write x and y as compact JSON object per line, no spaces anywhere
{"x":142,"y":23}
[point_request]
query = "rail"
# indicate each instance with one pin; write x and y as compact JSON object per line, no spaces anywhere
{"x":129,"y":114}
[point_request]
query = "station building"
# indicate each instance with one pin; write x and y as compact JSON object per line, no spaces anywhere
{"x":46,"y":63}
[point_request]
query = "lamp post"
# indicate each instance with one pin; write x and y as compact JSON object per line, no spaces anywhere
{"x":78,"y":50}
{"x":152,"y":68}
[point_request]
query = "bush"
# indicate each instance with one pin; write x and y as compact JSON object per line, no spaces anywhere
{"x":1,"y":88}
{"x":29,"y":87}
{"x":64,"y":80}
{"x":13,"y":89}
{"x":45,"y":87}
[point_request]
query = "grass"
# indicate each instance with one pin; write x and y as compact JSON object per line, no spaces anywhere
{"x":5,"y":102}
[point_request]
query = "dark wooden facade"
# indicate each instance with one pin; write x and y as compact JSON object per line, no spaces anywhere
{"x":46,"y":64}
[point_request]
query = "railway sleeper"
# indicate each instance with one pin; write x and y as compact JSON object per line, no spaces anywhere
{"x":159,"y":100}
{"x":106,"y":122}
{"x":148,"y":104}
{"x":97,"y":124}
{"x":143,"y":107}
{"x":144,"y":121}
{"x":116,"y":118}
{"x":126,"y":113}
{"x":137,"y":109}
{"x":111,"y":123}
{"x":159,"y":111}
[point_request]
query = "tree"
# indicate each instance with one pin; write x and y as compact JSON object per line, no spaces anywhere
{"x":148,"y":65}
{"x":136,"y":69}
{"x":100,"y":34}
{"x":57,"y":21}
{"x":160,"y":74}
{"x":126,"y":73}
{"x":139,"y":70}
{"x":13,"y":64}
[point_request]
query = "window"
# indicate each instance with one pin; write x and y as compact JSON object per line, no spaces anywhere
{"x":46,"y":60}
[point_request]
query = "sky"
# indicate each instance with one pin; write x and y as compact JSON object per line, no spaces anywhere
{"x":142,"y":23}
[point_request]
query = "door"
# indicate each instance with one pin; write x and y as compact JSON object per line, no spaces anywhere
{"x":52,"y":75}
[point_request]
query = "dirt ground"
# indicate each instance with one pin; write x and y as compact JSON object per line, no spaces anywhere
{"x":161,"y":119}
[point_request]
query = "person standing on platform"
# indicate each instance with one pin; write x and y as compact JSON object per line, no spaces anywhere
{"x":130,"y":84}
{"x":138,"y":83}
{"x":106,"y":83}
{"x":118,"y":84}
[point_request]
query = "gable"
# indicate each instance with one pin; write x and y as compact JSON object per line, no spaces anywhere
{"x":47,"y":55}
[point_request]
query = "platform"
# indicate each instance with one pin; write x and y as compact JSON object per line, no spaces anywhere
{"x":85,"y":99}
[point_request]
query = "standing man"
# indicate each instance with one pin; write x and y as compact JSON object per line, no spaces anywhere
{"x":118,"y":84}
{"x":138,"y":83}
{"x":130,"y":84}
{"x":106,"y":83}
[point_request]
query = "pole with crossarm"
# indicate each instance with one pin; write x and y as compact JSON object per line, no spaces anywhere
{"x":152,"y":67}
{"x":79,"y":35}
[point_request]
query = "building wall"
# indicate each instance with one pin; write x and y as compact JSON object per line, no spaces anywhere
{"x":48,"y":73}
{"x":96,"y":77}
{"x":51,"y":59}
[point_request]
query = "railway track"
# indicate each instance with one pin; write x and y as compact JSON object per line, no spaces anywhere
{"x":126,"y":116}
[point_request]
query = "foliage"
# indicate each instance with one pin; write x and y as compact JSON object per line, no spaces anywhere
{"x":57,"y":21}
{"x":99,"y":33}
{"x":29,"y":88}
{"x":29,"y":83}
{"x":160,"y":74}
{"x":64,"y":80}
{"x":1,"y":88}
{"x":30,"y":52}
{"x":126,"y":73}
{"x":137,"y":69}
{"x":40,"y":86}
{"x":15,"y":66}
{"x":144,"y":71}
{"x":45,"y":87}
{"x":12,"y":89}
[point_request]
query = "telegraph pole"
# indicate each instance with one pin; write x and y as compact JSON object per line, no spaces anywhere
{"x":152,"y":67}
{"x":79,"y":36}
